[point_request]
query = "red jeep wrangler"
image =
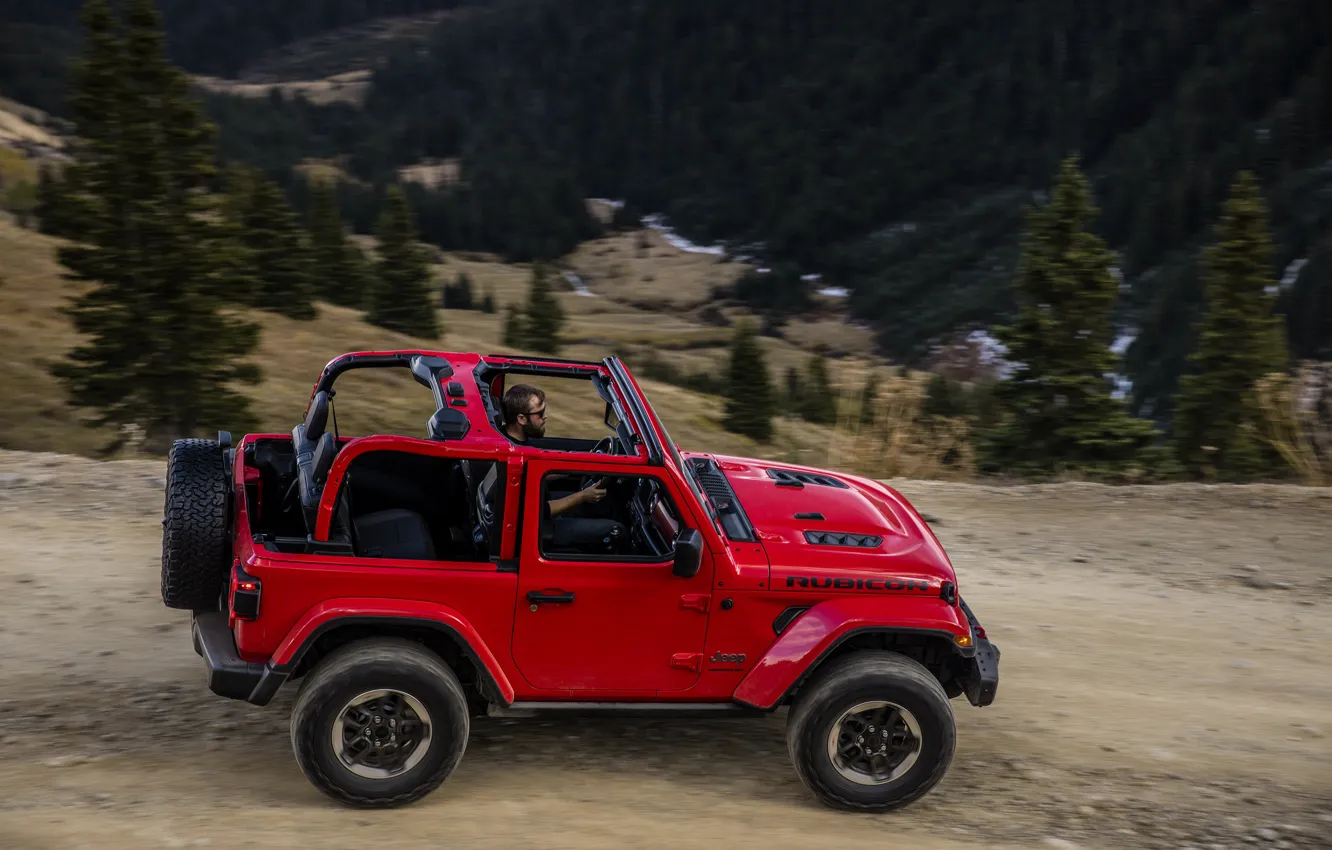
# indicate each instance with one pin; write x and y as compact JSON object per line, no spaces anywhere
{"x":412,"y":584}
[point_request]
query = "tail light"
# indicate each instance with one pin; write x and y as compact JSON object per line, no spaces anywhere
{"x":245,"y":593}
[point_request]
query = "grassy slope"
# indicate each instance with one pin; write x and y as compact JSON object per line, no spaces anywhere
{"x":36,"y":417}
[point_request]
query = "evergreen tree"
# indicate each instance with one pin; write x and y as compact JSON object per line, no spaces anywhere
{"x":401,"y":299}
{"x":276,"y":249}
{"x":488,"y":303}
{"x":457,"y":295}
{"x":513,"y":327}
{"x":1058,"y":408}
{"x":820,"y":402}
{"x":543,"y":316}
{"x":341,"y":272}
{"x":749,"y":394}
{"x":1239,"y":341}
{"x":795,"y":390}
{"x":160,"y":353}
{"x":51,"y":201}
{"x":869,"y":395}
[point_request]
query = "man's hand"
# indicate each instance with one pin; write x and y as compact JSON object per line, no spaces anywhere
{"x":593,"y":494}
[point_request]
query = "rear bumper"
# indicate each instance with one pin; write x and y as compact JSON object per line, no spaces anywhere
{"x":229,"y":675}
{"x":981,"y":680}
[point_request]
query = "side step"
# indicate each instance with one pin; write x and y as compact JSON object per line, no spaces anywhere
{"x":538,"y":708}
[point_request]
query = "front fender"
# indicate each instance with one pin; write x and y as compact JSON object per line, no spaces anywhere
{"x":820,"y":629}
{"x":335,"y":613}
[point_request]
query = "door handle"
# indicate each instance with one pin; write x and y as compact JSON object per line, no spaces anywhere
{"x":537,"y":596}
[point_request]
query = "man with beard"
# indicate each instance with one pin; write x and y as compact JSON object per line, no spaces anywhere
{"x":525,"y":420}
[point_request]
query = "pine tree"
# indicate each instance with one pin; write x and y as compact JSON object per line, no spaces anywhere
{"x":52,"y":206}
{"x":401,"y":298}
{"x":869,"y":396}
{"x":160,"y":353}
{"x":749,"y":392}
{"x":543,"y":318}
{"x":277,"y":251}
{"x":340,"y":271}
{"x":1239,"y":340}
{"x":795,"y":390}
{"x":513,"y":327}
{"x":488,"y":303}
{"x":1058,"y":409}
{"x":819,"y":404}
{"x":457,"y":295}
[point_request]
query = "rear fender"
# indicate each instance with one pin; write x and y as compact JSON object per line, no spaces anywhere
{"x":339,"y":613}
{"x":804,"y":645}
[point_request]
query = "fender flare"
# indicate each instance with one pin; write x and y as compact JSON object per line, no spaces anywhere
{"x":816,"y":634}
{"x":334,"y":614}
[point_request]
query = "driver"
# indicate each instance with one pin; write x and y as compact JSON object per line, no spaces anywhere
{"x":525,"y":419}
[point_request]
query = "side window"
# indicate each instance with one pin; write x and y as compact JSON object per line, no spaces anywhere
{"x":591,"y":516}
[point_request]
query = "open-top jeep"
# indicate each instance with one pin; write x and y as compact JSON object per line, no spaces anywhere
{"x":412,"y":584}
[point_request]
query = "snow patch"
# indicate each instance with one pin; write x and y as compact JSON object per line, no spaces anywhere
{"x":579,"y":286}
{"x":657,"y":222}
{"x":991,"y":353}
{"x":1123,"y":341}
{"x":835,"y":291}
{"x":615,"y":205}
{"x":1289,"y":276}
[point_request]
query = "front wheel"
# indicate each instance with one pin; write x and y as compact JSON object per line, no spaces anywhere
{"x":380,"y":723}
{"x":874,"y":731}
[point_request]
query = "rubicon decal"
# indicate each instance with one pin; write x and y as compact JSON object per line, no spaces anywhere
{"x":908,"y":585}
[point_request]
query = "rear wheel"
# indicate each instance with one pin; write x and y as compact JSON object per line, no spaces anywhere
{"x":196,"y":540}
{"x":873,"y":731}
{"x":380,"y":723}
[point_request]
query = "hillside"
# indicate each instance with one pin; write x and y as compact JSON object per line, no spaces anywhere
{"x":890,"y":148}
{"x":614,"y":317}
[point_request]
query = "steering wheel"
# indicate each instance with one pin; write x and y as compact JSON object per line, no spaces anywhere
{"x":605,"y":446}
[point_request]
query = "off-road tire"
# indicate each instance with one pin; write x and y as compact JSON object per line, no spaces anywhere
{"x":370,"y":664}
{"x":196,"y":539}
{"x":864,"y":676}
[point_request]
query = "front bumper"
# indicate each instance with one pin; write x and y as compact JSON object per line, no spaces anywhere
{"x":980,"y":681}
{"x":229,"y":675}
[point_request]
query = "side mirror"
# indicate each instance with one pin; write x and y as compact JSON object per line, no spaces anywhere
{"x":448,"y":424}
{"x":612,"y":421}
{"x":688,"y":553}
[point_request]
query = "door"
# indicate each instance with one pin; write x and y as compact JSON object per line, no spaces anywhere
{"x":598,"y":606}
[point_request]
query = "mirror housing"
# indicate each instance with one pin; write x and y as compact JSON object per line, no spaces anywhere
{"x":448,"y":424}
{"x":610,"y":419}
{"x":688,"y":553}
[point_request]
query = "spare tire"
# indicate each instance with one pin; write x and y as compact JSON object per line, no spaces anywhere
{"x":196,"y":538}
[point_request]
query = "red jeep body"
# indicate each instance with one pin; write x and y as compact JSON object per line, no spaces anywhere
{"x":738,"y":579}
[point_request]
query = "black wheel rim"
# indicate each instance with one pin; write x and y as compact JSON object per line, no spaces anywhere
{"x":381,"y":734}
{"x":873,"y":743}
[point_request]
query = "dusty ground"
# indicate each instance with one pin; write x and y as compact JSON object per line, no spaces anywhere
{"x":1149,"y":697}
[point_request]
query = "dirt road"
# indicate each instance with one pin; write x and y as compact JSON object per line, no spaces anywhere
{"x":1154,"y":693}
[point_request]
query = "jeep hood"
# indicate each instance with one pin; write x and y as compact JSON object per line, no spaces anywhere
{"x":834,"y":531}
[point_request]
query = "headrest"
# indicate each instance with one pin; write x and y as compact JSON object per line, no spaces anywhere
{"x":316,"y":418}
{"x":325,"y":450}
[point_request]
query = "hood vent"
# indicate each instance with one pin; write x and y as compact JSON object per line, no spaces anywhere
{"x":791,"y":478}
{"x":833,"y":538}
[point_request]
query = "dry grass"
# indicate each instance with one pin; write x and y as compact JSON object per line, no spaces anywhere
{"x":22,"y":124}
{"x":1297,"y":419}
{"x":641,"y":267}
{"x":896,"y":439}
{"x":35,"y":415}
